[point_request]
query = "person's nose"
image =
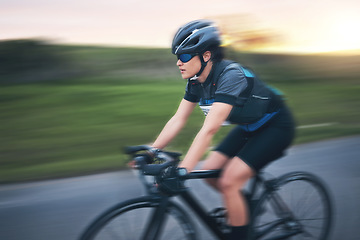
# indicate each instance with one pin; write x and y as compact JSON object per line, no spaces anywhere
{"x":179,"y":63}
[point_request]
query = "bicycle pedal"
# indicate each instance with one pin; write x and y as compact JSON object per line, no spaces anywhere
{"x":219,"y":212}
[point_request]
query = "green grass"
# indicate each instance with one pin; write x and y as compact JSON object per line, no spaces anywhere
{"x":78,"y":125}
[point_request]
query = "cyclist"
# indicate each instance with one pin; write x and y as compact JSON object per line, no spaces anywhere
{"x":226,"y":91}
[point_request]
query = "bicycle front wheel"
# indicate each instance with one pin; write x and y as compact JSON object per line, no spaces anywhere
{"x":297,"y":206}
{"x":128,"y":221}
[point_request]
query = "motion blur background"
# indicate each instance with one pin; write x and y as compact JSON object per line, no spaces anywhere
{"x":81,"y":79}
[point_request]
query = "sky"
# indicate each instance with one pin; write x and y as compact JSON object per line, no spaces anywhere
{"x":304,"y":25}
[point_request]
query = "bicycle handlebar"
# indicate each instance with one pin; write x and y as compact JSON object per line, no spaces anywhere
{"x":168,"y":158}
{"x":135,"y":149}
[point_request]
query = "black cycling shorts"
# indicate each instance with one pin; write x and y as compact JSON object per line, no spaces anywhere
{"x":262,"y":146}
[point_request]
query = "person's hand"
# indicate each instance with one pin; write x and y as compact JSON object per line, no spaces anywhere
{"x":139,"y":159}
{"x":131,"y":164}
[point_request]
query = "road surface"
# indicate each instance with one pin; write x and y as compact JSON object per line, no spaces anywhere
{"x":61,"y":209}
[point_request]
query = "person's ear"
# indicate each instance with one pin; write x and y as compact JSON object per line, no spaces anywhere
{"x":207,"y":56}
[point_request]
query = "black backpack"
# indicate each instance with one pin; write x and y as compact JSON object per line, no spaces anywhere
{"x":260,"y":98}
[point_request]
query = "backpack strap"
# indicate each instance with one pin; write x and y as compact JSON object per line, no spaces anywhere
{"x":218,"y":71}
{"x":224,"y":65}
{"x":250,"y":78}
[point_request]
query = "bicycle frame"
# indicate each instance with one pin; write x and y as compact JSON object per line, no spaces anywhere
{"x":198,"y":209}
{"x":157,"y":219}
{"x":170,"y":185}
{"x":262,"y":194}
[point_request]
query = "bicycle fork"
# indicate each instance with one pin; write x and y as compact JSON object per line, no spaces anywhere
{"x":156,"y":221}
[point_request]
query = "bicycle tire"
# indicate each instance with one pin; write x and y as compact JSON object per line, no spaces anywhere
{"x":309,"y":203}
{"x":127,"y":220}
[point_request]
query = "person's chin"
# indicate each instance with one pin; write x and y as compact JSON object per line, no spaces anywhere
{"x":184,"y":76}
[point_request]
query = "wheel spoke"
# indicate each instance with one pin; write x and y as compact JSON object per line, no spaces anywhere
{"x":309,"y":205}
{"x":129,"y":221}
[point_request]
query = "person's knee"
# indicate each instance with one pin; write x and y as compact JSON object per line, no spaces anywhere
{"x":216,"y":160}
{"x":228,"y":184}
{"x":233,"y":180}
{"x":225,"y":185}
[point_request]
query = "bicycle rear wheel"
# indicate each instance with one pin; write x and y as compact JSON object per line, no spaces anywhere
{"x":297,"y":206}
{"x":128,"y":221}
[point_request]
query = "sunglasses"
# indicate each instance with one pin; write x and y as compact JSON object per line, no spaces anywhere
{"x":185,"y":57}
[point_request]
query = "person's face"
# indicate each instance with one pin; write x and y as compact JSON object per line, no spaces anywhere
{"x":190,"y":68}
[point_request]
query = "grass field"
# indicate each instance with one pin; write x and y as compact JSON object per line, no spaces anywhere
{"x":76,"y":125}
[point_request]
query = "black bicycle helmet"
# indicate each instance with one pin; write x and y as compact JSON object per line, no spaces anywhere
{"x":195,"y":37}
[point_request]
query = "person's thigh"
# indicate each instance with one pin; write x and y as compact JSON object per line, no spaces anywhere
{"x":226,"y":150}
{"x":216,"y":160}
{"x":236,"y":173}
{"x":233,"y":142}
{"x":265,"y":146}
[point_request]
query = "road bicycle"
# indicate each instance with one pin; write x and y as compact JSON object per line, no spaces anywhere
{"x":293,"y":206}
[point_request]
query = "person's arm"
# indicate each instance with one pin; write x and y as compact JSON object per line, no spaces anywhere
{"x":175,"y":124}
{"x":217,"y":115}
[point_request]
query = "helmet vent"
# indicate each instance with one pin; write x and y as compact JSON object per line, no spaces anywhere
{"x":195,"y":37}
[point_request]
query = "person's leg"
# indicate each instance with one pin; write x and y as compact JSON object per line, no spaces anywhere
{"x":216,"y":160}
{"x":225,"y":151}
{"x":234,"y":178}
{"x":261,"y":148}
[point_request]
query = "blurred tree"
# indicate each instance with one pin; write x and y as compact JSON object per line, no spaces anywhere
{"x":20,"y":56}
{"x":242,"y":32}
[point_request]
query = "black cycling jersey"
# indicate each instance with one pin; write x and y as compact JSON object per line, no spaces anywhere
{"x":229,"y":82}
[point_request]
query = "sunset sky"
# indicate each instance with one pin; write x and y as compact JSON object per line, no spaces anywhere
{"x":304,"y":25}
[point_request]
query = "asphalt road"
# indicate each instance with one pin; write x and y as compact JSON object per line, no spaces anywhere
{"x":60,"y":209}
